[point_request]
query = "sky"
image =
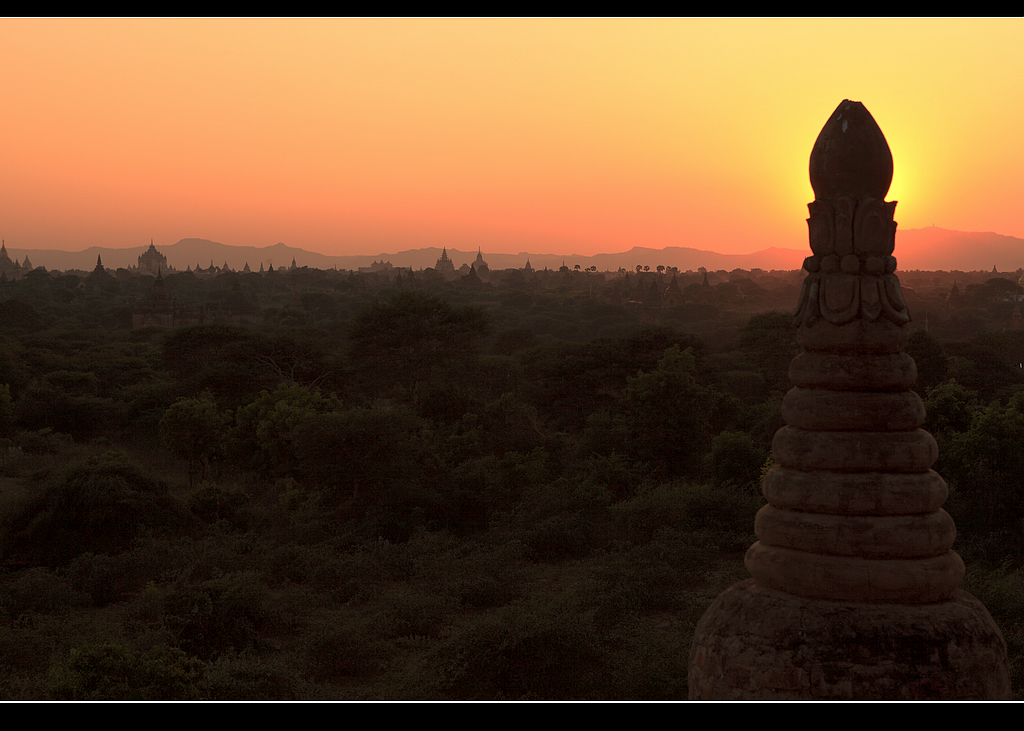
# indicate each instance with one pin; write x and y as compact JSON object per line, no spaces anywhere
{"x":558,"y":136}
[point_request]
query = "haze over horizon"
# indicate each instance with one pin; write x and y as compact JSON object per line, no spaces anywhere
{"x":569,"y":136}
{"x":931,"y":249}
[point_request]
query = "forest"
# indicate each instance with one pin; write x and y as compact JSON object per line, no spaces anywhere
{"x":392,"y":485}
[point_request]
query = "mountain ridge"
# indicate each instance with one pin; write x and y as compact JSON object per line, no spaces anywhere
{"x":930,"y":248}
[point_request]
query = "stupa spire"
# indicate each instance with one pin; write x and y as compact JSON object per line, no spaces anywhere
{"x":854,"y":590}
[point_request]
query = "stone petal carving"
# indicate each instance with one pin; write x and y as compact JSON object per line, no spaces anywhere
{"x":808,"y":311}
{"x":892,"y":303}
{"x":821,"y":228}
{"x":840,"y":297}
{"x":870,"y":299}
{"x":871,"y":228}
{"x":844,"y":226}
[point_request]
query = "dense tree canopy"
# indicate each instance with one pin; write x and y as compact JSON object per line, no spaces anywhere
{"x":383,"y":485}
{"x":413,"y":337}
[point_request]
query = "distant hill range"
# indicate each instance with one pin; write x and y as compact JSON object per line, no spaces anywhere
{"x":926,"y":248}
{"x":941,"y":249}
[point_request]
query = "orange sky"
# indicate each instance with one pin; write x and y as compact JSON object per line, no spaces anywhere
{"x":550,"y":136}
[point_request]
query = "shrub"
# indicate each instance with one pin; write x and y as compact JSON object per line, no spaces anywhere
{"x":112,"y":672}
{"x":409,"y":613}
{"x":517,"y":654}
{"x":105,"y":579}
{"x":37,"y":590}
{"x":734,"y":458}
{"x":97,"y":506}
{"x":345,"y":652}
{"x":219,"y":615}
{"x":211,"y":503}
{"x":248,"y":677}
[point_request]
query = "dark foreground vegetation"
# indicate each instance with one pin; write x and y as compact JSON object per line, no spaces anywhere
{"x":527,"y":488}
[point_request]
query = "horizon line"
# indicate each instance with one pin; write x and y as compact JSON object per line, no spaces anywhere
{"x":492,"y":252}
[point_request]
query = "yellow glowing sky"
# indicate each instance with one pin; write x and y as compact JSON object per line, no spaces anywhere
{"x":550,"y":136}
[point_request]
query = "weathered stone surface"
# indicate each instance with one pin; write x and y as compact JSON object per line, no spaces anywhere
{"x":868,"y":536}
{"x":853,"y":372}
{"x":806,"y":408}
{"x":754,"y":643}
{"x":859,"y":336}
{"x":865,"y":493}
{"x":853,"y":578}
{"x":851,"y":158}
{"x":839,"y":451}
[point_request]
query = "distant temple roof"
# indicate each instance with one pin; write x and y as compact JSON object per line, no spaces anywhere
{"x":444,"y":264}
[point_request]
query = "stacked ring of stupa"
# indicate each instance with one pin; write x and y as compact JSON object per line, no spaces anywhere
{"x":854,"y":590}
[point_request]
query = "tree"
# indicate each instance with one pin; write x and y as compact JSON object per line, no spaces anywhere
{"x":770,"y":340}
{"x":735,"y":458}
{"x":99,"y":506}
{"x":293,"y":360}
{"x":219,"y":358}
{"x":949,"y":408}
{"x":926,"y":350}
{"x":6,"y":412}
{"x":411,"y":337}
{"x":669,"y":414}
{"x":193,"y":429}
{"x":264,"y":433}
{"x":359,"y":450}
{"x":984,"y":467}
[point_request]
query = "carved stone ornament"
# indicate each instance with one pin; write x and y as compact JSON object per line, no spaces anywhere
{"x":850,"y":274}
